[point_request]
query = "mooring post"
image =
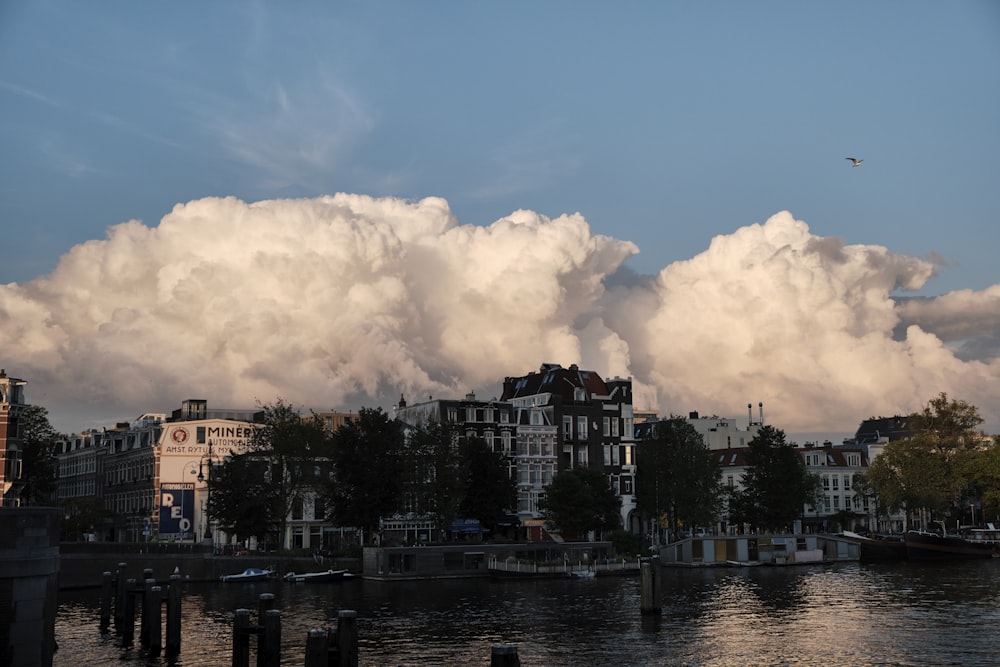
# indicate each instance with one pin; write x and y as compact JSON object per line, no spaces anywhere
{"x":155,"y":630}
{"x":105,"y":601}
{"x":317,"y":648}
{"x":649,"y":587}
{"x":504,"y":655}
{"x":146,"y":615}
{"x":174,"y":616}
{"x":269,"y":640}
{"x":264,"y":602}
{"x":241,"y":638}
{"x":128,"y":614}
{"x":119,"y":598}
{"x":347,"y":638}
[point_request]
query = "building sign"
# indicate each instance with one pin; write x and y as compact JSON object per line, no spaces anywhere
{"x":193,"y":440}
{"x":176,"y":510}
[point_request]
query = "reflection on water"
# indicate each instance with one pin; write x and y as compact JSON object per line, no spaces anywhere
{"x":900,"y":614}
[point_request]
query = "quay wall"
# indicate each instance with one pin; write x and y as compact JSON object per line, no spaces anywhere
{"x":29,"y":569}
{"x":83,"y":565}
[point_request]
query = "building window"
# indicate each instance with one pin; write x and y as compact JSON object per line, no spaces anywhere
{"x":453,"y":414}
{"x":614,"y":427}
{"x":607,"y":455}
{"x":607,"y":427}
{"x":567,"y":427}
{"x":581,"y":428}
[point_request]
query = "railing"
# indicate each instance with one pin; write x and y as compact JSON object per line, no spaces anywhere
{"x":531,"y":568}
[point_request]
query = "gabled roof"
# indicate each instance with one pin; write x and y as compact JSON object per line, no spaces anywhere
{"x":556,"y":380}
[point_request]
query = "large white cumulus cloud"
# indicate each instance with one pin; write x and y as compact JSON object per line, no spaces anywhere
{"x":803,"y":324}
{"x":348,"y":300}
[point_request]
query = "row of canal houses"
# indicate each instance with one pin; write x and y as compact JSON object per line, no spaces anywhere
{"x":150,"y":476}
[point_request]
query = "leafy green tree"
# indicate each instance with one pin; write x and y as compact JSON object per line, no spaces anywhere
{"x":437,"y":476}
{"x":243,"y":502}
{"x":491,"y":493}
{"x":282,"y":464}
{"x":367,"y":484}
{"x":678,"y":476}
{"x":295,"y":449}
{"x":776,"y":483}
{"x":38,"y":446}
{"x":941,"y":469}
{"x":580,"y":500}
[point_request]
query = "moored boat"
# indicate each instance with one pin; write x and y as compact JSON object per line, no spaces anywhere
{"x":247,"y":575}
{"x":317,"y":577}
{"x":877,"y":549}
{"x":969,"y":543}
{"x":582,"y":574}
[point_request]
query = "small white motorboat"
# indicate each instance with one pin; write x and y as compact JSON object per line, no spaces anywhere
{"x":317,"y":577}
{"x":249,"y":574}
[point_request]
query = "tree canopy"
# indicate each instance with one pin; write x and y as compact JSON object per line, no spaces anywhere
{"x":38,"y":446}
{"x":367,"y":484}
{"x":677,"y":478}
{"x":776,"y":484}
{"x":948,"y":466}
{"x":256,"y":491}
{"x":580,"y":500}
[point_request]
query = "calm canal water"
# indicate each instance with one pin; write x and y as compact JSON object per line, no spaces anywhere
{"x":847,"y":614}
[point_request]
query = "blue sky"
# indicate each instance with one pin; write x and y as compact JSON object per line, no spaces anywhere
{"x":465,"y":136}
{"x":663,"y":123}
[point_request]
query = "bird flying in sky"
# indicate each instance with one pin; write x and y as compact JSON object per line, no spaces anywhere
{"x":855,"y":162}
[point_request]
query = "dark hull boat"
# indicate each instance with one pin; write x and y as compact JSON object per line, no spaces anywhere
{"x":878,"y":549}
{"x":970,"y":544}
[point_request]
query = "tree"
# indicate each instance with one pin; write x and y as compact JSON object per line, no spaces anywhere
{"x":38,"y":446}
{"x":678,"y":476}
{"x":491,"y":493}
{"x":776,"y":483}
{"x":243,"y":502}
{"x":941,"y":470}
{"x":260,"y":487}
{"x":368,"y":470}
{"x":291,"y":446}
{"x":437,"y":476}
{"x":580,"y":500}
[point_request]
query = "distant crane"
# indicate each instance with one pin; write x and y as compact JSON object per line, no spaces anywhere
{"x":855,"y":162}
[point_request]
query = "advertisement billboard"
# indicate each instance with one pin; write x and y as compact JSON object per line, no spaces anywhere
{"x":176,"y":510}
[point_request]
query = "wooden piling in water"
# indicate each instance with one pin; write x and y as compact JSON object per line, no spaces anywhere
{"x":269,"y":641}
{"x":119,"y":598}
{"x":105,"y":601}
{"x":173,"y":647}
{"x":318,"y":648}
{"x":147,"y":614}
{"x":649,"y":587}
{"x":155,"y":630}
{"x":504,"y":655}
{"x":128,"y":613}
{"x":347,"y":638}
{"x":241,"y":638}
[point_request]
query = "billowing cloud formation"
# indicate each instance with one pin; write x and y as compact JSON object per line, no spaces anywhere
{"x":347,"y":300}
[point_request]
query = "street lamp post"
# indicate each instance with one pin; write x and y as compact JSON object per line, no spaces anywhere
{"x":202,"y":477}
